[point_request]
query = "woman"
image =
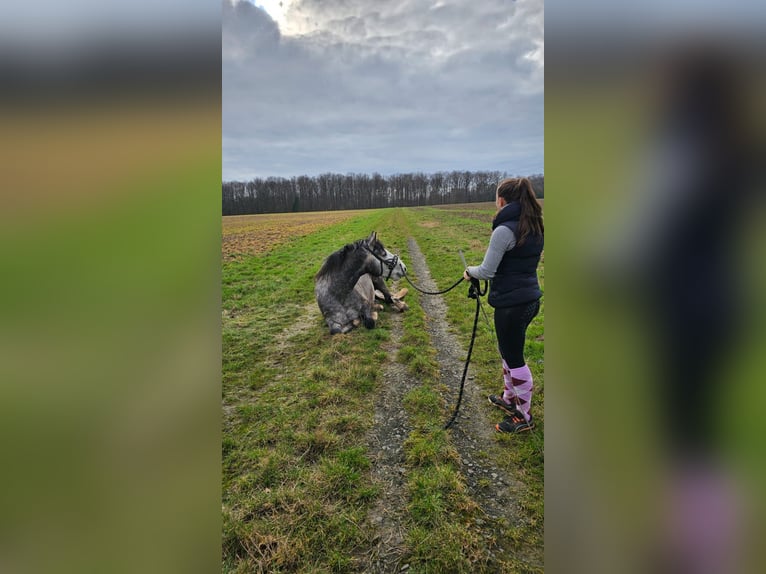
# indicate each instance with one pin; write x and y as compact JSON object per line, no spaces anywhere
{"x":511,"y":266}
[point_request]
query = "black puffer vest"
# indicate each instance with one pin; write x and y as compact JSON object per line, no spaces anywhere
{"x":515,"y":280}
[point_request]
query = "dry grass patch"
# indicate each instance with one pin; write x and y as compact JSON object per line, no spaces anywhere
{"x":252,"y":235}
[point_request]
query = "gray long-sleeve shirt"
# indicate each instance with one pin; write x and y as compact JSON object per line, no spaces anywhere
{"x":502,"y":240}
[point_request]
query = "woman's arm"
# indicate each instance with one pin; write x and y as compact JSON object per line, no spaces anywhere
{"x":501,"y":241}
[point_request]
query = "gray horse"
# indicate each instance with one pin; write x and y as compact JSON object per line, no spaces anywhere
{"x":345,"y":284}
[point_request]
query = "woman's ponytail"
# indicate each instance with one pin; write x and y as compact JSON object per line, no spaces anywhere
{"x":531,"y":218}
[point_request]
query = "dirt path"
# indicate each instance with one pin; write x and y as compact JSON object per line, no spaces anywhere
{"x":390,"y":429}
{"x":473,"y":431}
{"x":472,"y":435}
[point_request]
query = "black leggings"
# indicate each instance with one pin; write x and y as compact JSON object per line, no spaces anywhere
{"x":511,"y":327}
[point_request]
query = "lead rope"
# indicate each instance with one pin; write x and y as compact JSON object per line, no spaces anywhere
{"x":434,"y":292}
{"x":474,"y":292}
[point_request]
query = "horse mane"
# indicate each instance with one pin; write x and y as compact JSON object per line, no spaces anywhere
{"x":334,"y":261}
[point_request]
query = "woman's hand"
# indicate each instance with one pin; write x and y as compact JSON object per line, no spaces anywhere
{"x":466,"y":276}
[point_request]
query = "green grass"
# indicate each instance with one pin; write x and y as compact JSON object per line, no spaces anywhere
{"x":297,"y":487}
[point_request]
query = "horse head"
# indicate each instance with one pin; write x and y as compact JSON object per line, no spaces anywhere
{"x":391,"y":267}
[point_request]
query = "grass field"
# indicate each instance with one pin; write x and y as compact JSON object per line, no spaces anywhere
{"x":297,"y":483}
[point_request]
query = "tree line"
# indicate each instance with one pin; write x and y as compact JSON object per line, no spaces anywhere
{"x":332,"y":191}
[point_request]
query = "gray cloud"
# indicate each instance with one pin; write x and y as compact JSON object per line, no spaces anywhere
{"x":383,"y":86}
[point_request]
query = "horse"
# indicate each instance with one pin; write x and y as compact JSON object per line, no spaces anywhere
{"x":346,"y":282}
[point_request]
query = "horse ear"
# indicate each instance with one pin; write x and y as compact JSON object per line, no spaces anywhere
{"x":371,"y":239}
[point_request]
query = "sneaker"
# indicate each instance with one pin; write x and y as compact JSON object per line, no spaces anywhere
{"x":498,"y":401}
{"x":515,"y":423}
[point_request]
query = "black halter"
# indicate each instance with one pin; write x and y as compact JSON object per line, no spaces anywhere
{"x":391,"y":264}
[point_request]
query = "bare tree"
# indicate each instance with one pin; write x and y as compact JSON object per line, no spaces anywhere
{"x":330,"y":191}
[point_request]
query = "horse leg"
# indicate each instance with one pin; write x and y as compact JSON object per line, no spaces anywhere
{"x":338,"y":320}
{"x":365,"y":293}
{"x":380,"y":285}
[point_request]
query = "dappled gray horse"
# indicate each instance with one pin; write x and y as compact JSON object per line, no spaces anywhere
{"x":345,"y":284}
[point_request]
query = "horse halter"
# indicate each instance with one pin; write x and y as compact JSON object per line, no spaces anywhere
{"x":390,"y":263}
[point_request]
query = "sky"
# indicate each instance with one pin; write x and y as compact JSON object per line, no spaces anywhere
{"x":386,"y":86}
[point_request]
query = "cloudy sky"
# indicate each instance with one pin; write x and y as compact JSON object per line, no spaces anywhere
{"x":387,"y":86}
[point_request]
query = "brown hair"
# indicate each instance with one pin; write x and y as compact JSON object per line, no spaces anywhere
{"x":531,"y":218}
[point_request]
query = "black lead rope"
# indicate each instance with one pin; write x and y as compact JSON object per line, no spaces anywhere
{"x":474,"y":292}
{"x":458,"y":282}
